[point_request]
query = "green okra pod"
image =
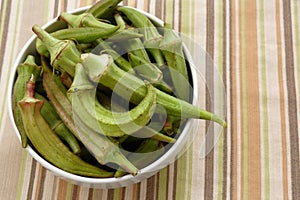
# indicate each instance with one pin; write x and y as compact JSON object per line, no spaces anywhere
{"x":171,"y":46}
{"x":25,"y":71}
{"x":119,"y":60}
{"x":47,"y":142}
{"x":131,"y":87}
{"x":56,"y":124}
{"x":104,"y":150}
{"x":103,"y":7}
{"x":80,"y":35}
{"x":98,"y":118}
{"x":144,"y":69}
{"x":63,"y":53}
{"x":152,"y":37}
{"x":88,"y":20}
{"x":147,"y":153}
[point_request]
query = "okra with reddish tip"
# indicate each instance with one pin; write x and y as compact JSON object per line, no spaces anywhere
{"x":104,"y":150}
{"x":57,"y":125}
{"x":47,"y":143}
{"x":63,"y":53}
{"x":171,"y":46}
{"x":25,"y":70}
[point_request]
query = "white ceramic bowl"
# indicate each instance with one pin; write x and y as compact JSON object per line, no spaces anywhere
{"x":170,"y":156}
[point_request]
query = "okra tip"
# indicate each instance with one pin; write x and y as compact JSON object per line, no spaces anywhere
{"x":30,"y":60}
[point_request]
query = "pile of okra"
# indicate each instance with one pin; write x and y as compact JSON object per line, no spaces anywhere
{"x":107,"y":95}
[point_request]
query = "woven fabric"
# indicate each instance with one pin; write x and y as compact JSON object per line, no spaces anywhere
{"x":254,"y":49}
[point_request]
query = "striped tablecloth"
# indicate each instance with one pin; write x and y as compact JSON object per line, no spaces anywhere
{"x":255,"y":48}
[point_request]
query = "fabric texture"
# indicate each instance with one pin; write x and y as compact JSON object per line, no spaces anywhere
{"x":253,"y":49}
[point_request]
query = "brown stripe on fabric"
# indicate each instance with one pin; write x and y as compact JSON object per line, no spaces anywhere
{"x":252,"y":90}
{"x":40,"y":182}
{"x":136,"y":191}
{"x":180,"y":14}
{"x":292,"y":100}
{"x":240,"y":82}
{"x":282,"y":110}
{"x":157,"y":184}
{"x":122,"y":193}
{"x":62,"y":189}
{"x":65,"y":5}
{"x":110,"y":194}
{"x":90,"y":194}
{"x":233,"y":102}
{"x":55,"y":14}
{"x":150,"y":188}
{"x":31,"y":179}
{"x":158,"y":9}
{"x":5,"y":33}
{"x":147,"y":5}
{"x":83,"y":3}
{"x":168,"y":178}
{"x":225,"y":142}
{"x":75,"y":192}
{"x":209,"y":159}
{"x":174,"y":180}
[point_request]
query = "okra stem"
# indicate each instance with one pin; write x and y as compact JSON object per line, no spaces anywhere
{"x":63,"y":53}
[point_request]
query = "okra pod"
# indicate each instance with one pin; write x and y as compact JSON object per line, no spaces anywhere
{"x":103,"y":7}
{"x":63,"y":53}
{"x":56,"y":124}
{"x":152,"y":37}
{"x":116,"y":124}
{"x":148,"y":152}
{"x":131,"y":85}
{"x":119,"y":60}
{"x":171,"y":46}
{"x":81,"y":35}
{"x":144,"y":69}
{"x":46,"y":141}
{"x":88,"y":20}
{"x":24,"y":71}
{"x":100,"y":147}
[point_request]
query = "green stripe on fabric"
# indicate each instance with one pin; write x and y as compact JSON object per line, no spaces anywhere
{"x":190,"y":172}
{"x":220,"y":106}
{"x":169,"y":11}
{"x":162,"y":190}
{"x":244,"y":102}
{"x":181,"y":177}
{"x":191,"y":48}
{"x":297,"y":40}
{"x":22,"y":173}
{"x":264,"y":101}
{"x":69,"y":191}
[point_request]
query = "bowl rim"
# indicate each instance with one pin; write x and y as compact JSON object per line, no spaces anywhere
{"x":150,"y":169}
